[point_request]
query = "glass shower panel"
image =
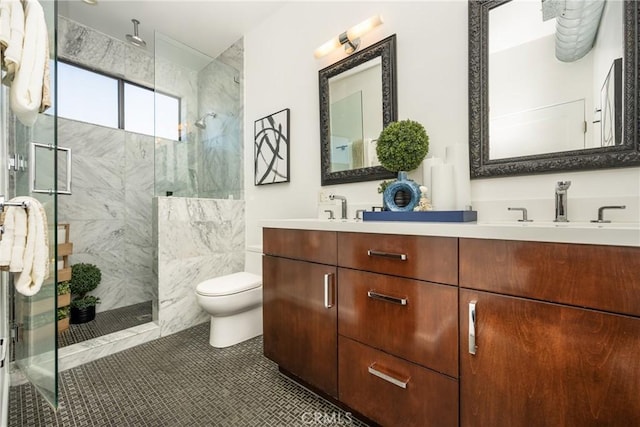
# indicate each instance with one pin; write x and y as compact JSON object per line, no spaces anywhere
{"x":35,"y":316}
{"x":206,"y":160}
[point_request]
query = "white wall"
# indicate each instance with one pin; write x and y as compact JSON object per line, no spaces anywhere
{"x":281,"y":72}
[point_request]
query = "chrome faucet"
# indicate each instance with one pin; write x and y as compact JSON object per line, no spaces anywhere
{"x":561,"y":201}
{"x":343,"y":200}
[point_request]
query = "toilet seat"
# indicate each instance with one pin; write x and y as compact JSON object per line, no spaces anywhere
{"x":229,"y":284}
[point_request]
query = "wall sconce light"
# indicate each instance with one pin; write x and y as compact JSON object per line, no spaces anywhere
{"x":577,"y":25}
{"x":350,"y":39}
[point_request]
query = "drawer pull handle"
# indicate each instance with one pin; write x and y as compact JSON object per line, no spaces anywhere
{"x":401,"y":257}
{"x":328,"y":290}
{"x":472,"y":327}
{"x":378,"y":372}
{"x":387,"y":298}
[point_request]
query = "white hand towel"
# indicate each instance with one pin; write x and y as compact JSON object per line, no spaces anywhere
{"x":26,"y":90}
{"x":5,"y":24}
{"x":11,"y":38}
{"x":36,"y":254}
{"x":19,"y":239}
{"x":6,"y":244}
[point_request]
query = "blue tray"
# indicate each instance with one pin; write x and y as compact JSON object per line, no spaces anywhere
{"x":426,"y":216}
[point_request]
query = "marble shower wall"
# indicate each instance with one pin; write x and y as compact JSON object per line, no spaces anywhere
{"x":196,"y":240}
{"x":109,"y":210}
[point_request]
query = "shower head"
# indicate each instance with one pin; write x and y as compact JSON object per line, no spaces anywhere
{"x":135,"y":38}
{"x":200,"y":123}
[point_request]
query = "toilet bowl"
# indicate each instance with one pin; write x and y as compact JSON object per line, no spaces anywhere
{"x":234,"y":303}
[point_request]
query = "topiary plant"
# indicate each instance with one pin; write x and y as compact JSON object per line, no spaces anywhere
{"x":402,"y":146}
{"x":84,"y":278}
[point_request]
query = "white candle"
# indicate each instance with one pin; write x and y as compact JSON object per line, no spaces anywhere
{"x":443,"y":195}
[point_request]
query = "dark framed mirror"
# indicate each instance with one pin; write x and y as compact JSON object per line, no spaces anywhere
{"x":357,"y":100}
{"x":604,"y":129}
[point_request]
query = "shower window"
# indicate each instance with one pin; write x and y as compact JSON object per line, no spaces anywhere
{"x":139,"y":106}
{"x":100,"y":108}
{"x":98,"y":98}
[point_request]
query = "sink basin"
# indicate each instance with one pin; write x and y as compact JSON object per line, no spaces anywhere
{"x":571,"y":224}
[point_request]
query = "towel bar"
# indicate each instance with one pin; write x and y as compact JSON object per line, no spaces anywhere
{"x":3,"y":203}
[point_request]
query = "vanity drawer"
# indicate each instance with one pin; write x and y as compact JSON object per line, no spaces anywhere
{"x":412,"y":319}
{"x":419,"y":257}
{"x":306,"y":245}
{"x":600,"y":277}
{"x":428,"y":399}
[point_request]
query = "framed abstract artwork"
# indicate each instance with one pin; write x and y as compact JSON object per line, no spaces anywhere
{"x":271,"y":148}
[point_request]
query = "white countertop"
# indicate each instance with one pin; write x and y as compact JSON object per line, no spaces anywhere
{"x":615,"y":234}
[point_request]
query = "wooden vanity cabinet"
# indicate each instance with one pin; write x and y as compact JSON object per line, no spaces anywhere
{"x":398,"y":328}
{"x":546,"y":353}
{"x":299,"y":305}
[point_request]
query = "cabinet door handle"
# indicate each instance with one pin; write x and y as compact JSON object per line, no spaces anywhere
{"x":328,"y":290}
{"x":401,"y":257}
{"x":388,"y":298}
{"x":472,"y":327}
{"x":379,"y":372}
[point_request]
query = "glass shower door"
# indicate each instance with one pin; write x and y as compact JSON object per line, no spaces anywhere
{"x":34,"y":317}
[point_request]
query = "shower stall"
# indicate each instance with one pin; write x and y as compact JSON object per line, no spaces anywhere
{"x":156,"y":211}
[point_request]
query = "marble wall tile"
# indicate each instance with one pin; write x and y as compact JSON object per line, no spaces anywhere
{"x":95,"y":236}
{"x":89,"y":47}
{"x":96,"y":173}
{"x":139,"y":148}
{"x":86,"y":139}
{"x":196,"y":239}
{"x":140,"y":277}
{"x":138,"y":65}
{"x":112,"y":289}
{"x":92,"y":204}
{"x":137,"y":227}
{"x":234,"y":55}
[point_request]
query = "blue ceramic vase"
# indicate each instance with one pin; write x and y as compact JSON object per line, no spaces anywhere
{"x":402,"y":195}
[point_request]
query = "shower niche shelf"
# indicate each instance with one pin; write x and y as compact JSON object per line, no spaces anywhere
{"x":65,"y":248}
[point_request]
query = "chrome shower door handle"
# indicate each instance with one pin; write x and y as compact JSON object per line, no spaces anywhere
{"x":47,"y":151}
{"x":328,"y":290}
{"x":472,"y":327}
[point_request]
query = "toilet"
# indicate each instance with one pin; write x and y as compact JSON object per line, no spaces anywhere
{"x":234,"y":303}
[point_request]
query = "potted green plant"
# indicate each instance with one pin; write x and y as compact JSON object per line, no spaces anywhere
{"x":62,"y":315}
{"x":64,"y":294}
{"x":401,"y":147}
{"x":84,"y":279}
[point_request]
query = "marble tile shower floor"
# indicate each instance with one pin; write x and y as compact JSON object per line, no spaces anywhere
{"x":107,"y":322}
{"x":176,"y":381}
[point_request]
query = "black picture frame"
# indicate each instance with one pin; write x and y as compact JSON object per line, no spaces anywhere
{"x":271,"y":144}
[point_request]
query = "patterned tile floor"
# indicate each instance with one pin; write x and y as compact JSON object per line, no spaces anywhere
{"x":107,"y":322}
{"x":176,"y":381}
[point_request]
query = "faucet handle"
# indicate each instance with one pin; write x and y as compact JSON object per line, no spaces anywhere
{"x":601,"y":213}
{"x":330,"y":212}
{"x":563,"y":185}
{"x":524,"y":214}
{"x":358,"y":212}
